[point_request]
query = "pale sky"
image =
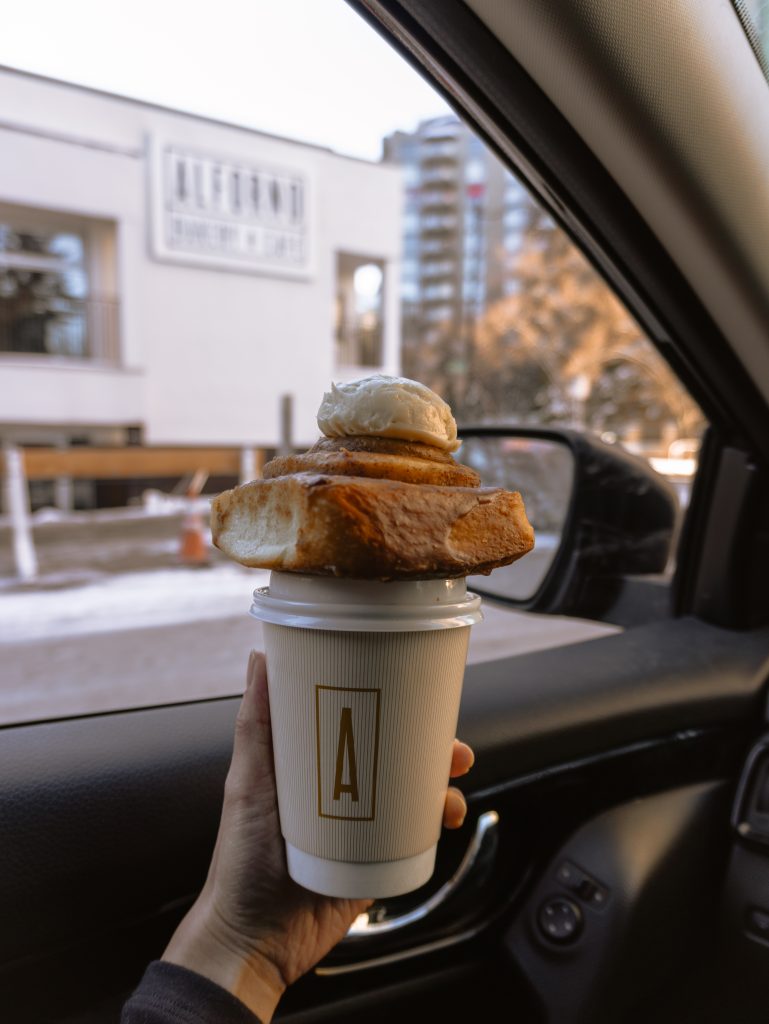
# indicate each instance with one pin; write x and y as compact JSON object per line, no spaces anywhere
{"x":308,"y":69}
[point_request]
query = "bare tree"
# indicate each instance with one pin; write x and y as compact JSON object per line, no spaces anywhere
{"x":561,"y":348}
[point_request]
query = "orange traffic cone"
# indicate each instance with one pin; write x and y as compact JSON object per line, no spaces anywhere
{"x":193,"y":545}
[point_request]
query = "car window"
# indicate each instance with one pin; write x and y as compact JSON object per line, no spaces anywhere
{"x":184,"y":270}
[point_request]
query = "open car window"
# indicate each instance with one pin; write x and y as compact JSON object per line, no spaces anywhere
{"x":180,"y":280}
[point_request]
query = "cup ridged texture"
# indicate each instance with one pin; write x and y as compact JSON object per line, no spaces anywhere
{"x":366,"y":715}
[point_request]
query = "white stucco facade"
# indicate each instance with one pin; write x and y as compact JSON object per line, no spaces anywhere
{"x":204,"y":350}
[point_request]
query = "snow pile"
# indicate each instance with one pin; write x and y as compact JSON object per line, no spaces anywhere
{"x":129,"y":601}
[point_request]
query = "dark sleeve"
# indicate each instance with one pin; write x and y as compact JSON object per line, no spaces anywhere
{"x":168,"y":994}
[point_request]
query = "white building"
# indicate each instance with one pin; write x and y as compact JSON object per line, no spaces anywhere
{"x":166,"y":279}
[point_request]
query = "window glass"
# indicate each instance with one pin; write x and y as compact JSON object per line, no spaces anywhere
{"x":184,"y":269}
{"x":43,"y":285}
{"x":359,"y":332}
{"x":46,"y":305}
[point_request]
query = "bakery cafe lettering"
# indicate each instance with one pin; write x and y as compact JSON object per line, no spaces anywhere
{"x":235,"y":213}
{"x":347,"y":735}
{"x":345,"y":755}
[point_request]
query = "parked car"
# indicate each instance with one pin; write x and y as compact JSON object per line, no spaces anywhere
{"x":614,"y":865}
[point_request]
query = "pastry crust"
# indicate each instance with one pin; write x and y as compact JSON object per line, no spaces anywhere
{"x":366,"y":528}
{"x":377,"y":457}
{"x":383,"y":446}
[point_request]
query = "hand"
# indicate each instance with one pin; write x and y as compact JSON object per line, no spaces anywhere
{"x":252,"y":929}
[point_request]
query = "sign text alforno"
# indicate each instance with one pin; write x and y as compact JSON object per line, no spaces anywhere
{"x":236,"y":214}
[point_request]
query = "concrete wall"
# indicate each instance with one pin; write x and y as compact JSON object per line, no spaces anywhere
{"x":205,"y":353}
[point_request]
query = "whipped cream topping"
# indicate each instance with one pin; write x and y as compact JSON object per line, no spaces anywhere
{"x":380,"y":406}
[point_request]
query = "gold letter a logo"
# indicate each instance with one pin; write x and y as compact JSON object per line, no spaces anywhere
{"x":346,"y":745}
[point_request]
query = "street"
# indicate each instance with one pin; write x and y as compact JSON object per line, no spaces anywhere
{"x":84,"y":639}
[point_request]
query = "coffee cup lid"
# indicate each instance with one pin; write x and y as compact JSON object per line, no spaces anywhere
{"x":318,"y":602}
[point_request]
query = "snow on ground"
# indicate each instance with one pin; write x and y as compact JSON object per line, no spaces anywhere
{"x":167,"y":597}
{"x":158,"y":597}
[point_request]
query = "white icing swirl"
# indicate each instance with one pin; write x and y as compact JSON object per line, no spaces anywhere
{"x":380,"y":406}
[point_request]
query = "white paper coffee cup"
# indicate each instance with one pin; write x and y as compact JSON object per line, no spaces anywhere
{"x":365,"y":680}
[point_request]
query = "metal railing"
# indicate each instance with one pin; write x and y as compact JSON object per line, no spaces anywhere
{"x":440,"y":175}
{"x":357,"y":345}
{"x":86,"y":329}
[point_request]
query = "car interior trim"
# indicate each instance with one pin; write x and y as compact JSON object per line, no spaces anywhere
{"x":684,"y":737}
{"x":409,"y":953}
{"x":367,"y":926}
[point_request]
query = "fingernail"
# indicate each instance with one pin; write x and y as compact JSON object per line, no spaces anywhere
{"x":250,"y":669}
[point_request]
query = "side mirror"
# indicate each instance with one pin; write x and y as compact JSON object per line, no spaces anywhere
{"x":599,"y":515}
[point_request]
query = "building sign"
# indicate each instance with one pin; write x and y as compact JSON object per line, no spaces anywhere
{"x":223,"y":212}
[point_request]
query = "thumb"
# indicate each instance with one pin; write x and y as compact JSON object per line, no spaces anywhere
{"x":251,"y":770}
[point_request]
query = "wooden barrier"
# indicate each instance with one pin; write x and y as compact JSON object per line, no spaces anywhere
{"x":19,"y":465}
{"x":88,"y":463}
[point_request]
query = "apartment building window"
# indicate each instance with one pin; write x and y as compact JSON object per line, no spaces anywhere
{"x":411,"y":175}
{"x":57,"y":285}
{"x":475,"y":171}
{"x":444,"y":290}
{"x":439,"y":222}
{"x":359,"y":311}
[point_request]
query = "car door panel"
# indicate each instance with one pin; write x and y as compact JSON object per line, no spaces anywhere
{"x":108,"y":821}
{"x":631,"y":884}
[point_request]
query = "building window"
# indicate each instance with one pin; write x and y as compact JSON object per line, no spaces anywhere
{"x":439,"y":314}
{"x":410,"y":222}
{"x":439,"y":222}
{"x":475,"y":171}
{"x":409,"y":291}
{"x":411,"y":175}
{"x":444,"y":290}
{"x":359,"y":311}
{"x":411,"y":247}
{"x":438,"y":268}
{"x":49,"y":265}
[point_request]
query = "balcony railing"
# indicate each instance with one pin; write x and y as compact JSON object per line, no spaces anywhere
{"x":78,"y":329}
{"x":438,"y":269}
{"x":442,"y":129}
{"x":439,"y":175}
{"x":359,"y":344}
{"x":439,"y":207}
{"x":438,"y":149}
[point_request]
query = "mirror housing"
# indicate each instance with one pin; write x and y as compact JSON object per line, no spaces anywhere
{"x":620,"y":521}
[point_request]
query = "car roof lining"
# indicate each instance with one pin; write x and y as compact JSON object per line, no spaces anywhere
{"x":655,"y":91}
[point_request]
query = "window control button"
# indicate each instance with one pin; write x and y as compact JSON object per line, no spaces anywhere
{"x":560,"y":920}
{"x":588,"y":890}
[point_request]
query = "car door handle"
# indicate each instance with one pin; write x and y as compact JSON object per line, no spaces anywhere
{"x":366,"y":926}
